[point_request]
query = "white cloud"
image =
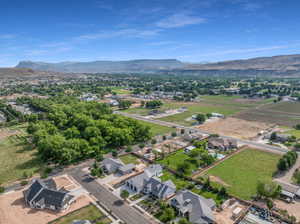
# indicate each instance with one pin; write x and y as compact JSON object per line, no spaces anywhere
{"x":179,"y":20}
{"x":119,"y":33}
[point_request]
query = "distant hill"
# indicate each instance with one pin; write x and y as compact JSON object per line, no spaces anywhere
{"x":284,"y":65}
{"x":283,"y":62}
{"x":24,"y":72}
{"x":105,"y":66}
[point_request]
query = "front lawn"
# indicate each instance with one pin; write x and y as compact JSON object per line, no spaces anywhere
{"x":242,"y":171}
{"x":91,"y":213}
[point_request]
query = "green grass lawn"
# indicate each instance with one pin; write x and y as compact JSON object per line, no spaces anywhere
{"x":200,"y":108}
{"x":91,"y":213}
{"x":129,"y":159}
{"x":182,"y":184}
{"x":176,"y":158}
{"x":294,"y":132}
{"x":243,"y":171}
{"x":120,"y":90}
{"x":157,"y":129}
{"x":15,"y":159}
{"x":179,"y":182}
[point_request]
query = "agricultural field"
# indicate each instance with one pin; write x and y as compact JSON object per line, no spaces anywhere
{"x":227,"y":105}
{"x":17,"y":159}
{"x":241,"y":173}
{"x":157,"y":129}
{"x":120,"y":90}
{"x":91,"y":213}
{"x":282,"y":113}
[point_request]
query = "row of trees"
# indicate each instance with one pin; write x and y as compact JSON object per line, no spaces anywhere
{"x":287,"y":161}
{"x":154,"y":104}
{"x":77,"y":130}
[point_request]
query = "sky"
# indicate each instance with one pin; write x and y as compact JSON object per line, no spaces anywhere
{"x":188,"y":30}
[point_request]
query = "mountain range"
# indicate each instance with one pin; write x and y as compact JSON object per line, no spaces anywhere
{"x":288,"y":65}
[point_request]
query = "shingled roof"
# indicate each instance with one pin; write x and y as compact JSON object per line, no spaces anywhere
{"x":39,"y":195}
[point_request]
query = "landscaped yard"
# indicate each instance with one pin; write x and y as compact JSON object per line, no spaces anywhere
{"x":16,"y":159}
{"x":158,"y":129}
{"x":183,"y":184}
{"x":172,"y":161}
{"x":242,"y":172}
{"x":129,"y":159}
{"x":294,"y":132}
{"x":91,"y":213}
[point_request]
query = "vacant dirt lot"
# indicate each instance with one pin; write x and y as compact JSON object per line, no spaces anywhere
{"x":235,"y":127}
{"x":5,"y":132}
{"x":14,"y":211}
{"x":292,"y":208}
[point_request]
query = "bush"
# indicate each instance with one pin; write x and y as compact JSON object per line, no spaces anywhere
{"x":114,"y":153}
{"x":124,"y":194}
{"x":24,"y":182}
{"x":128,"y":149}
{"x":174,"y":134}
{"x":2,"y":189}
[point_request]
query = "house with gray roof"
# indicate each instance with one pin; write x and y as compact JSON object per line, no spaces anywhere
{"x":222,"y":144}
{"x":158,"y":189}
{"x":45,"y":196}
{"x":149,"y":183}
{"x":111,"y":165}
{"x":197,"y":209}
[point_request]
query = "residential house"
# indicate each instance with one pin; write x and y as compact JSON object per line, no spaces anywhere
{"x":44,"y":195}
{"x":289,"y":191}
{"x":189,"y":149}
{"x":222,"y":144}
{"x":158,"y":189}
{"x":197,"y":209}
{"x":110,"y":165}
{"x":149,"y":183}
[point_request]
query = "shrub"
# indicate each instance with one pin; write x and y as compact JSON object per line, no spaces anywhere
{"x":128,"y":149}
{"x":24,"y":182}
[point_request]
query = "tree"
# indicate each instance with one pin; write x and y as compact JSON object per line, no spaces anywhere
{"x":2,"y":189}
{"x":183,"y":221}
{"x":200,"y":118}
{"x":183,"y":167}
{"x":273,"y":136}
{"x":268,"y":190}
{"x":124,"y":104}
{"x":167,"y":215}
{"x":153,"y":104}
{"x":153,"y":141}
{"x":223,"y":192}
{"x":124,"y":194}
{"x":297,"y":127}
{"x":174,"y":134}
{"x":182,"y":131}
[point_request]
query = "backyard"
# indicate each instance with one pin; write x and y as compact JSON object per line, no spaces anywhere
{"x":90,"y":212}
{"x":242,"y":171}
{"x":129,"y":159}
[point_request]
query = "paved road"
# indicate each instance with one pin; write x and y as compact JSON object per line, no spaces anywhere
{"x":112,"y":202}
{"x":266,"y":147}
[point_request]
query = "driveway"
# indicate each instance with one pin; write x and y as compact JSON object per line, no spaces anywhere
{"x":112,"y":202}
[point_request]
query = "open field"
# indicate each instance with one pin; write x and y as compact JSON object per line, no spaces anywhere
{"x":235,"y":127}
{"x":129,"y":159}
{"x":89,"y":212}
{"x":120,"y":90}
{"x":16,"y":159}
{"x":234,"y":100}
{"x":282,"y":113}
{"x":242,"y":171}
{"x":14,"y":211}
{"x":157,"y":129}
